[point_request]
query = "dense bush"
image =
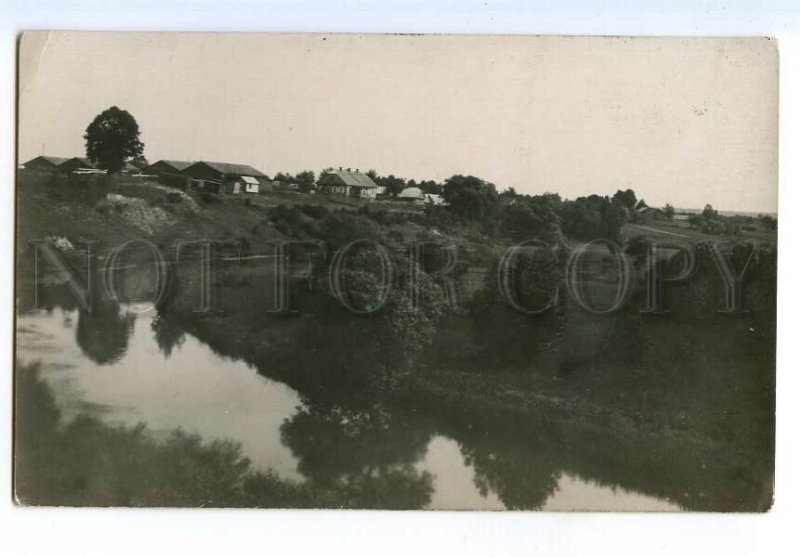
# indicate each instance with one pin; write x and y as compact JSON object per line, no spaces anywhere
{"x":208,"y":197}
{"x":314,"y":211}
{"x":471,"y":197}
{"x":593,"y":217}
{"x":341,"y":228}
{"x":532,"y":217}
{"x":385,"y":217}
{"x":505,"y":336}
{"x":293,"y":222}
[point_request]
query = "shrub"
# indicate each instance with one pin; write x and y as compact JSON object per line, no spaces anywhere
{"x":314,"y":211}
{"x":292,"y":222}
{"x":208,"y":197}
{"x":592,"y":217}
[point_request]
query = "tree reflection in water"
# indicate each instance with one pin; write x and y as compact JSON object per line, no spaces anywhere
{"x":103,"y":333}
{"x":521,"y":476}
{"x":167,"y":335}
{"x":363,"y":457}
{"x":356,"y":454}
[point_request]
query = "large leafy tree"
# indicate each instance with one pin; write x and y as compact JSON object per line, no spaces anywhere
{"x":592,"y":217}
{"x":112,"y":139}
{"x":532,"y":217}
{"x":305,"y":179}
{"x":429,"y":186}
{"x":471,"y":197}
{"x":626,"y":199}
{"x":709,"y":212}
{"x":393,"y":184}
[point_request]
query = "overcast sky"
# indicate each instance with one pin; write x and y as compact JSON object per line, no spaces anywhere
{"x":681,"y":121}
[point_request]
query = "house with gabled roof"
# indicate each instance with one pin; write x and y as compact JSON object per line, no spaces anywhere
{"x":45,"y":164}
{"x":223,"y":177}
{"x":167,"y":166}
{"x":79,"y":165}
{"x":644,"y":213}
{"x":349,"y":182}
{"x":169,"y":172}
{"x":61,"y":165}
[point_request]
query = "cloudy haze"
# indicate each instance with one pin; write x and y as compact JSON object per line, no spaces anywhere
{"x":681,"y":121}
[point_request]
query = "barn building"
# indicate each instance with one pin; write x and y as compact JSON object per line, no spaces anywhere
{"x":645,"y":214}
{"x":79,"y":165}
{"x":222,"y":177}
{"x":44,"y":165}
{"x":168,"y":172}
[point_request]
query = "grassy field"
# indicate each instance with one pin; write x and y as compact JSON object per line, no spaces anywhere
{"x":680,"y":230}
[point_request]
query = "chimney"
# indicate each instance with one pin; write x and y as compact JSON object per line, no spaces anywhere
{"x":340,"y":168}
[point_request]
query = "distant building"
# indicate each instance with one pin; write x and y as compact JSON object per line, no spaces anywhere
{"x":412,"y":195}
{"x":347,"y":182}
{"x":222,"y":177}
{"x":61,"y":165}
{"x":80,"y":165}
{"x":435,"y":199}
{"x":168,"y":172}
{"x":44,"y":164}
{"x":644,"y":213}
{"x":251,"y":184}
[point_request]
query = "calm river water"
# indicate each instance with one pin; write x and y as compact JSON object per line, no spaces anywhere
{"x":126,"y":373}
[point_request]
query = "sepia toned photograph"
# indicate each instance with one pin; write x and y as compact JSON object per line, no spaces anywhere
{"x":398,"y":272}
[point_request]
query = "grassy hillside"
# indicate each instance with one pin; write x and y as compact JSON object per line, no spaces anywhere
{"x":82,"y":211}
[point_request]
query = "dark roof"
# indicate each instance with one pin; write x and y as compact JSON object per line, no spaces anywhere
{"x":177,"y":165}
{"x":83,"y":161}
{"x":55,"y":161}
{"x":233,"y":169}
{"x":646,"y":209}
{"x":353,"y":178}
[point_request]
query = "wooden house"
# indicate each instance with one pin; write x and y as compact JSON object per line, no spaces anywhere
{"x":169,"y":172}
{"x":44,"y":165}
{"x":222,"y":177}
{"x":79,"y":165}
{"x":353,"y":183}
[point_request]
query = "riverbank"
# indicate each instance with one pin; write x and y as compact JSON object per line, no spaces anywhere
{"x":671,"y":401}
{"x":714,"y":442}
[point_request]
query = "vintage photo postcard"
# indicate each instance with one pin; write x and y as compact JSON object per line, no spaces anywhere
{"x":395,"y":271}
